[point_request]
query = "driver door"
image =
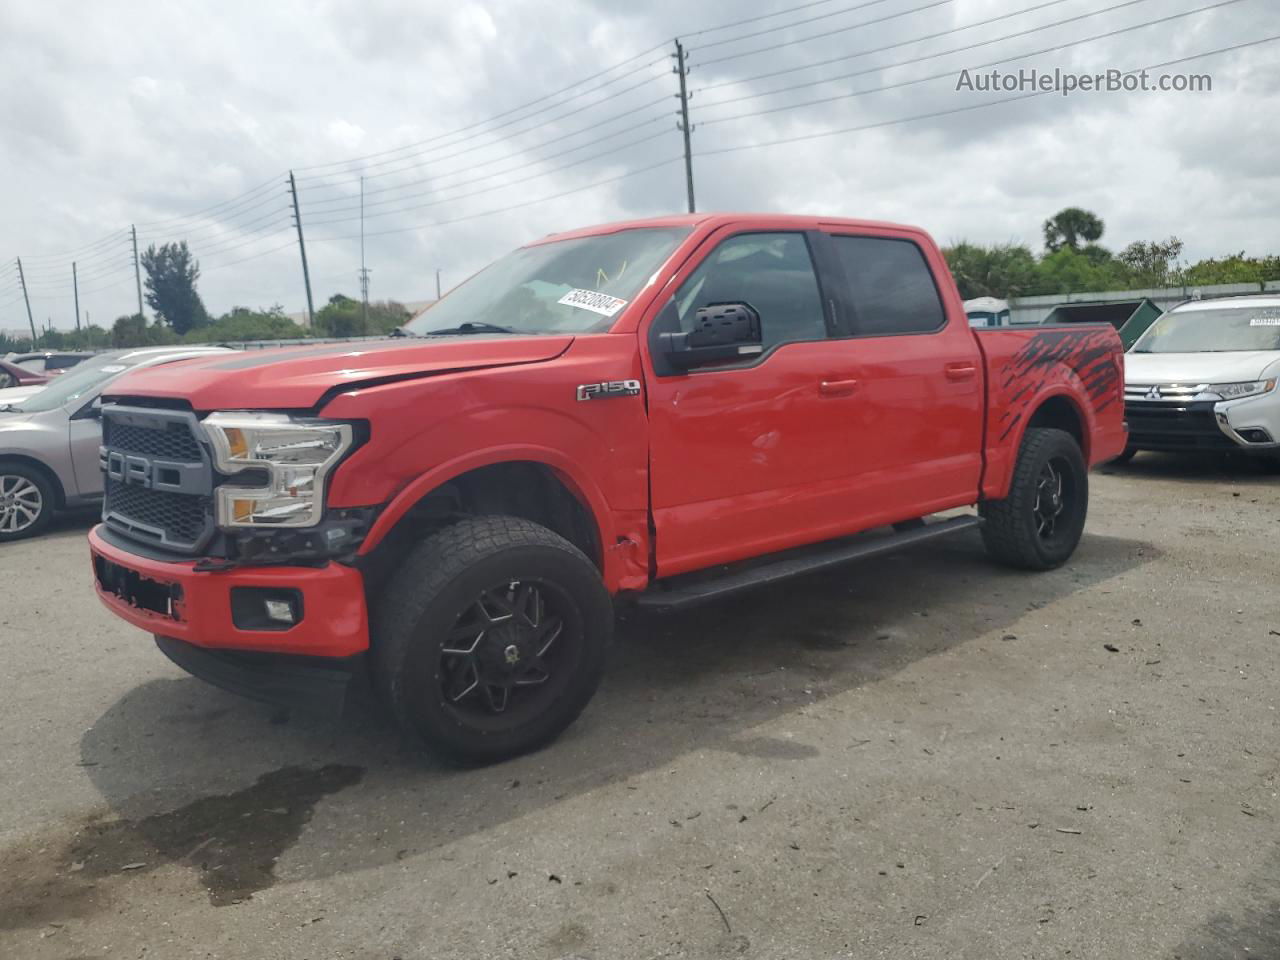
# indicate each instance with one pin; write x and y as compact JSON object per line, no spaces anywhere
{"x":741,"y":458}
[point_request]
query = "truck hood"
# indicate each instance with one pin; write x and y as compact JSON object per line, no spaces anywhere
{"x":1196,"y":368}
{"x":299,"y":377}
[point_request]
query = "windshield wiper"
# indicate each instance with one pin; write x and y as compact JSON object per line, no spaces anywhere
{"x":465,"y":328}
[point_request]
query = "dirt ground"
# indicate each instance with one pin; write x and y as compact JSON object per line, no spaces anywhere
{"x":924,"y":757}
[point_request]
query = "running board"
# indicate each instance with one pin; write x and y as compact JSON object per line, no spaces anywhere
{"x":675,"y":595}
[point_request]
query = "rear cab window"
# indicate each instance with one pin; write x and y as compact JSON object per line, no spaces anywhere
{"x":889,"y":287}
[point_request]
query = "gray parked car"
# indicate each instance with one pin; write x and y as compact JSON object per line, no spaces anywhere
{"x":49,"y":440}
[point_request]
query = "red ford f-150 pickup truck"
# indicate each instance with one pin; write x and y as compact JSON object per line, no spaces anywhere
{"x":663,"y":411}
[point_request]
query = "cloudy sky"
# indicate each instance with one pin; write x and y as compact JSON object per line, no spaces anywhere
{"x":478,"y":126}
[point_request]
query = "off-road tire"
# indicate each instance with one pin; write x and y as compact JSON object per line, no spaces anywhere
{"x":14,"y":473}
{"x":1011,"y":532}
{"x":436,"y":584}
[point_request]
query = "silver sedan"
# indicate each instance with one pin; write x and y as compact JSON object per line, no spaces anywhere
{"x":49,"y":439}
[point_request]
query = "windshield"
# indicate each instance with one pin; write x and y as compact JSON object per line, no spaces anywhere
{"x":1220,"y":330}
{"x":566,"y":286}
{"x":74,"y":384}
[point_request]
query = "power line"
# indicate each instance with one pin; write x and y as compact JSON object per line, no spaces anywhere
{"x":821,"y":36}
{"x":763,"y":16}
{"x":890,"y":46}
{"x":794,"y":23}
{"x":118,"y":236}
{"x":952,"y":73}
{"x":515,"y":206}
{"x":515,"y":169}
{"x":536,"y":126}
{"x":520,"y":153}
{"x":503,"y":186}
{"x":275,"y":181}
{"x":257,"y":256}
{"x":507,"y":113}
{"x":216,"y":249}
{"x":219,"y":230}
{"x":973,"y":106}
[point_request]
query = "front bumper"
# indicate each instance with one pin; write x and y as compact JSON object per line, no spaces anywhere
{"x":1212,"y":426}
{"x":175,"y":600}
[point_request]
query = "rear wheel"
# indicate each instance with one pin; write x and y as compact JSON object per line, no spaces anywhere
{"x":1038,"y":525}
{"x":491,"y":638}
{"x":26,"y":501}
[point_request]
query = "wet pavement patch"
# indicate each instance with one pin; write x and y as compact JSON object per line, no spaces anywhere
{"x":233,"y":840}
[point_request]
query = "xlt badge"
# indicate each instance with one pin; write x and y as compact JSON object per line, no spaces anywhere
{"x":611,"y":388}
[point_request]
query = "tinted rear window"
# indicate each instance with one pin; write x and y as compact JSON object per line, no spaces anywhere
{"x":891,"y":287}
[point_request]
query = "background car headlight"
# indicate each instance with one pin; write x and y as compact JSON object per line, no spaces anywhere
{"x":1234,"y":391}
{"x":286,"y":458}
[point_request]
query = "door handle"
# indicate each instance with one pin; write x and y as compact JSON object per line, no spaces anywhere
{"x":961,"y":371}
{"x":837,"y":388}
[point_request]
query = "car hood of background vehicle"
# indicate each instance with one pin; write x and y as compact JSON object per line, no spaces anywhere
{"x":1195,"y":368}
{"x":298,"y":377}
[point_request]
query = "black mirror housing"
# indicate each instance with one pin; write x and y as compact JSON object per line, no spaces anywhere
{"x":721,"y":332}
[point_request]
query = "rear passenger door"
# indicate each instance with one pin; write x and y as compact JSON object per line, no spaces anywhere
{"x":748,"y":457}
{"x":920,"y":397}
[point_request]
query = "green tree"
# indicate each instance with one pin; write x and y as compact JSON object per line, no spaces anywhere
{"x":171,"y":286}
{"x":1074,"y":271}
{"x":241,"y":323}
{"x":1152,"y":264}
{"x":1236,"y":268}
{"x":344,"y":317}
{"x":134,"y":331}
{"x":1003,"y":270}
{"x":1070,"y":227}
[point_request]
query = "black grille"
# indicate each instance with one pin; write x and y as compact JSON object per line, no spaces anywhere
{"x":171,"y":442}
{"x":181,"y":516}
{"x":1193,"y":427}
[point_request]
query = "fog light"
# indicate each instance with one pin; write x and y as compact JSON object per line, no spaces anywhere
{"x":266,"y":608}
{"x":281,"y":611}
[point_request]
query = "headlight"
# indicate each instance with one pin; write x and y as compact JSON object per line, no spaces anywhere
{"x":1234,"y":391}
{"x":290,"y":458}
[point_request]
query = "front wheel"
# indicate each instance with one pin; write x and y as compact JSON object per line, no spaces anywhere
{"x":26,"y":501}
{"x":491,"y":638}
{"x":1038,"y":525}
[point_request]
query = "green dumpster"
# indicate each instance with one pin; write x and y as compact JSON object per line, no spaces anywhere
{"x":1130,"y":317}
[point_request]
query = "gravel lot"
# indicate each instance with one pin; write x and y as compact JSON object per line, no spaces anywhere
{"x":925,"y":757}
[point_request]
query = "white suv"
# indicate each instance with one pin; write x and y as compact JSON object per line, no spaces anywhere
{"x":1204,"y":376}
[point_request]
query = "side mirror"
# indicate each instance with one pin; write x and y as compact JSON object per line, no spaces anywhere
{"x":90,"y":411}
{"x":721,"y":332}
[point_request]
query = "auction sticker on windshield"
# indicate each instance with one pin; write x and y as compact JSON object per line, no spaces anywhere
{"x":1265,"y":318}
{"x":600,"y":303}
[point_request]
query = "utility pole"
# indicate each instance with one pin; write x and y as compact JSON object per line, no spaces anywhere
{"x":137,"y":269}
{"x":75,"y":286}
{"x":302,"y":246}
{"x":22,"y":278}
{"x":364,"y":273}
{"x":683,"y":123}
{"x":437,"y":283}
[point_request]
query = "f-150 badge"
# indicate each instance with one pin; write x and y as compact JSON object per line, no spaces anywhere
{"x":612,"y":388}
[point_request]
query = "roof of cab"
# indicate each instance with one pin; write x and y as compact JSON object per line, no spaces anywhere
{"x":714,"y":220}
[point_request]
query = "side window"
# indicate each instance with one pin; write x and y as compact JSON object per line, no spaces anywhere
{"x":771,"y":271}
{"x":891,"y":286}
